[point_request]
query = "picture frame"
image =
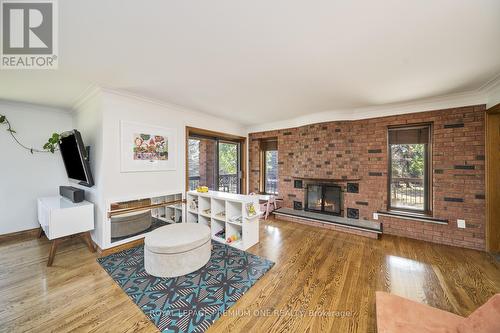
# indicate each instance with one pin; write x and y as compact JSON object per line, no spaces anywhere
{"x":146,"y":148}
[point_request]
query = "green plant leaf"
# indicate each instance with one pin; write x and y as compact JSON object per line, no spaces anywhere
{"x":2,"y":119}
{"x":11,"y":130}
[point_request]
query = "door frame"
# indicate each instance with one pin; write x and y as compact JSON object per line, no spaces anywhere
{"x":194,"y":131}
{"x":492,"y":228}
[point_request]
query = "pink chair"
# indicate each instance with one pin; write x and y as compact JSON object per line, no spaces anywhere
{"x":396,"y":314}
{"x":268,"y":206}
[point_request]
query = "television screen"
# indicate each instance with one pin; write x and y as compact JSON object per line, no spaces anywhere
{"x":75,"y":158}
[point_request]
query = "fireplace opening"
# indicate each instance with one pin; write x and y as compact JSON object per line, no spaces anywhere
{"x":323,"y":198}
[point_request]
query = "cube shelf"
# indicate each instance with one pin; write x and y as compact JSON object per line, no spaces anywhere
{"x":227,"y":215}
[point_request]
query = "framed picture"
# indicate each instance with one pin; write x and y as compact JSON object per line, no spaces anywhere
{"x":147,"y":147}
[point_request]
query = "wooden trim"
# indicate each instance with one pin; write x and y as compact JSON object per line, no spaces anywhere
{"x":221,"y":136}
{"x":262,"y":161}
{"x":494,"y":109}
{"x":119,"y":248}
{"x":492,"y":142}
{"x":262,"y":170}
{"x":244,"y":163}
{"x":30,"y":233}
{"x":147,"y":207}
{"x":213,"y":134}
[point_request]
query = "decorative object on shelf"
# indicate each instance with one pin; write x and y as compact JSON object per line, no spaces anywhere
{"x":236,"y":219}
{"x":221,"y":215}
{"x":193,"y":204}
{"x":202,"y":189}
{"x":207,"y":211}
{"x":233,"y":238}
{"x":221,"y":234}
{"x":147,"y":147}
{"x":49,"y":147}
{"x":250,"y":207}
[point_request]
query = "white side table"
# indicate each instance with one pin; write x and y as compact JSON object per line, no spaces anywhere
{"x":60,"y":218}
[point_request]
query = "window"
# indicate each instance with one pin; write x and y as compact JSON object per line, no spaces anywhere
{"x":214,"y":160}
{"x":269,"y":165}
{"x":409,"y":161}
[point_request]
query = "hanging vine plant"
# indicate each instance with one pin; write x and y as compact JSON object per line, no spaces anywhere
{"x":49,"y":147}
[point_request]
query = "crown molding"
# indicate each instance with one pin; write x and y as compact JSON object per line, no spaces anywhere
{"x":34,"y":106}
{"x":161,"y":103}
{"x":92,"y":90}
{"x":474,"y":97}
{"x":491,"y":85}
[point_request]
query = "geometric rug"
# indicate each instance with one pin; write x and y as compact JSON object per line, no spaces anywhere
{"x":189,"y":303}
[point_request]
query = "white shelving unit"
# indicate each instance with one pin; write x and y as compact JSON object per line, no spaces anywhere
{"x":219,"y":211}
{"x":169,"y":214}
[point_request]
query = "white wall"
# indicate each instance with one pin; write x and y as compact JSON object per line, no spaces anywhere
{"x":98,"y":118}
{"x":87,"y":118}
{"x":117,"y":107}
{"x":23,"y":176}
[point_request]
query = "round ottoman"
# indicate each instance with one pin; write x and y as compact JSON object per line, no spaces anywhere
{"x":177,"y":249}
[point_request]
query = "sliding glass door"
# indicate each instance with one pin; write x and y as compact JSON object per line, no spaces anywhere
{"x":215,"y":163}
{"x":228,"y":160}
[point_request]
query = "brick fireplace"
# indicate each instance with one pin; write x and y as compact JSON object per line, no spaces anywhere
{"x":354,"y":154}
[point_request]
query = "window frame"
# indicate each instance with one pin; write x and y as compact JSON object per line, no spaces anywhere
{"x":428,"y":181}
{"x":194,"y":132}
{"x":262,"y":156}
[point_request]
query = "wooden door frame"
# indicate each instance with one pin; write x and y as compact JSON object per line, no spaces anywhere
{"x":491,"y":244}
{"x":222,"y":136}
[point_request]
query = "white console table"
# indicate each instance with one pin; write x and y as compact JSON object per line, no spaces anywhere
{"x":218,"y":210}
{"x":60,"y":218}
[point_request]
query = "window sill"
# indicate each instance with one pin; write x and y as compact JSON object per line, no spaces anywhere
{"x":413,"y":216}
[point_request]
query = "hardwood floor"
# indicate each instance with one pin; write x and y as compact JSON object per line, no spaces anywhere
{"x":316,"y":270}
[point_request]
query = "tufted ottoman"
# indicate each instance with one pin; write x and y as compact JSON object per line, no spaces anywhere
{"x":177,"y":249}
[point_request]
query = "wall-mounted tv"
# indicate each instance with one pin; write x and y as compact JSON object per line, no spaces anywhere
{"x":75,"y":157}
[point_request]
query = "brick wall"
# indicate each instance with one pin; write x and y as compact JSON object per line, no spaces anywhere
{"x":207,"y":163}
{"x":358,"y":149}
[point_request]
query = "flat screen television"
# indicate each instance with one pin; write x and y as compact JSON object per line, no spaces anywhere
{"x":75,"y":157}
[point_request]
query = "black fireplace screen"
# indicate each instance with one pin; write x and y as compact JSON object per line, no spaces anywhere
{"x":324,"y":199}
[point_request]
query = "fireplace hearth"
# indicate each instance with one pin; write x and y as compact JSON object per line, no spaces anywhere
{"x":324,"y":198}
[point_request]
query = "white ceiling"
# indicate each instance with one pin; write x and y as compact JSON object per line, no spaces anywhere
{"x":263,"y":60}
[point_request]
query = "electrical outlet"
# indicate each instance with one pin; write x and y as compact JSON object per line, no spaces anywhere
{"x":375,"y":216}
{"x":461,"y":224}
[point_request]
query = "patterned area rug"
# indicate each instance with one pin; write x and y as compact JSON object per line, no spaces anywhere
{"x":189,"y":303}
